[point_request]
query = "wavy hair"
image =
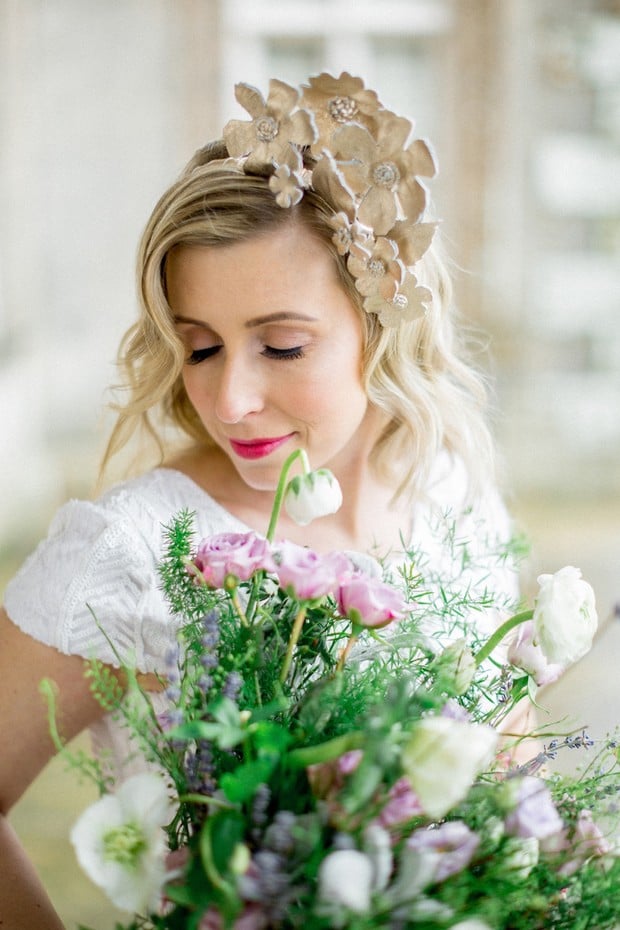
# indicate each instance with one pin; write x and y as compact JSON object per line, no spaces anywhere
{"x":417,"y":373}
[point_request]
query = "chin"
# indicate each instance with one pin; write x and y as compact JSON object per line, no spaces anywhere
{"x":267,"y":481}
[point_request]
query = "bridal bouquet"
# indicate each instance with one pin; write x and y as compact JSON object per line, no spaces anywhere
{"x":322,"y":762}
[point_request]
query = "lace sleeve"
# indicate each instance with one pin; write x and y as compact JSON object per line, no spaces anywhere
{"x":91,"y":589}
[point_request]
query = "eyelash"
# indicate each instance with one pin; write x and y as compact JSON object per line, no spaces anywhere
{"x":200,"y":355}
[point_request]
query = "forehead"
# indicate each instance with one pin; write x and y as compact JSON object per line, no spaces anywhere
{"x":279,"y":270}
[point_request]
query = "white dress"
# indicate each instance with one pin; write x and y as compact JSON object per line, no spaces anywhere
{"x":100,"y":561}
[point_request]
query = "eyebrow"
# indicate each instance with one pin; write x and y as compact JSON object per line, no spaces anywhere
{"x":256,"y":321}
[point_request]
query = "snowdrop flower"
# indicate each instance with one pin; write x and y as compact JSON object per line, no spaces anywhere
{"x":311,"y":495}
{"x":120,"y":844}
{"x":345,"y":880}
{"x":565,"y":617}
{"x":442,"y":759}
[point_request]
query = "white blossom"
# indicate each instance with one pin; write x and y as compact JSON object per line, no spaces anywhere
{"x":120,"y":844}
{"x":345,"y":880}
{"x":442,"y":759}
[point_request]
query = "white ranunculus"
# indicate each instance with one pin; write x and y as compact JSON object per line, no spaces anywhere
{"x":442,"y":759}
{"x":565,"y":617}
{"x":346,"y":879}
{"x":120,"y":844}
{"x":314,"y":494}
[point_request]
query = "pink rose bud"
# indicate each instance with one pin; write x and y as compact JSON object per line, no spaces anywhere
{"x":525,"y":653}
{"x":236,"y":555}
{"x":306,"y":574}
{"x":369,"y":602}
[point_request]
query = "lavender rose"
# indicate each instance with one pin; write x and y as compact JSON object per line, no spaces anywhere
{"x":232,"y":555}
{"x":306,"y":574}
{"x":369,"y":602}
{"x":533,"y":812}
{"x":451,"y":845}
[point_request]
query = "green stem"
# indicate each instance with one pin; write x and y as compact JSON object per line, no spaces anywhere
{"x":500,"y":632}
{"x":325,"y":752}
{"x":234,"y":597}
{"x":294,"y":637}
{"x":281,"y":488}
{"x":344,"y":655}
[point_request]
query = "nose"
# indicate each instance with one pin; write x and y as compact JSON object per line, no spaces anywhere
{"x":239,"y":391}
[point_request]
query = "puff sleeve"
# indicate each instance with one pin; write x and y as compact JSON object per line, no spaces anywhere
{"x":91,"y":587}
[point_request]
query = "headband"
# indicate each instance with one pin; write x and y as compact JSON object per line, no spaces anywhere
{"x":362,"y":163}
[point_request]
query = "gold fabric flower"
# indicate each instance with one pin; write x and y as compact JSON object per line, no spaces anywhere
{"x":377,"y":271}
{"x":383,"y":173}
{"x":409,"y":303}
{"x":348,"y":235}
{"x":328,"y":180}
{"x":413,"y":240}
{"x":273,"y":132}
{"x":287,"y":186}
{"x":335,"y":101}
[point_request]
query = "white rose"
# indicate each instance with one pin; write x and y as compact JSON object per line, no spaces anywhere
{"x":565,"y":617}
{"x":314,"y":494}
{"x":345,"y":879}
{"x":442,"y":759}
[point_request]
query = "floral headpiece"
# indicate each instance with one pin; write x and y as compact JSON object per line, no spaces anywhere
{"x":362,"y":163}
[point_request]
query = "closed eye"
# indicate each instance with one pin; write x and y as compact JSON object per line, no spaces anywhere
{"x":293,"y":352}
{"x":199,"y":355}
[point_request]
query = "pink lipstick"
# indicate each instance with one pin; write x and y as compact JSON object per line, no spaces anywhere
{"x":257,"y":448}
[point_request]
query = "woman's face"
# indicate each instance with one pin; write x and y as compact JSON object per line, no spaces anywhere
{"x":274,"y":352}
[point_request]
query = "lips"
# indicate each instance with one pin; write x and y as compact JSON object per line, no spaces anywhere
{"x":258,"y":448}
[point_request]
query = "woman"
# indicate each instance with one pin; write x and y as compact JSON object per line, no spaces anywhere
{"x":291,"y":298}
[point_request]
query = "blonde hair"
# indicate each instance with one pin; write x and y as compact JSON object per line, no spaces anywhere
{"x":415,"y":373}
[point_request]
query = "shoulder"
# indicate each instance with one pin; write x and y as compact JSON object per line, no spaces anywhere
{"x":92,"y":586}
{"x":449,"y":493}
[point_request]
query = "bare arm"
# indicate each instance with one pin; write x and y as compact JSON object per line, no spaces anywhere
{"x":25,"y":748}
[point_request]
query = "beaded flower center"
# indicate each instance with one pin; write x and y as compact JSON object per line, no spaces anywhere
{"x":342,"y":109}
{"x":400,"y":302}
{"x":124,"y":844}
{"x":266,"y":128}
{"x":385,"y":174}
{"x":376,"y":267}
{"x":343,"y":238}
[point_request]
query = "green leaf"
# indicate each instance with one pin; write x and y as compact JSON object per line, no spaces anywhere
{"x":270,"y":738}
{"x":220,"y":836}
{"x":240,"y":785}
{"x":225,"y":729}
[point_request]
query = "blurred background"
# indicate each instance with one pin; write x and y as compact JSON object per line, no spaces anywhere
{"x":101,"y":104}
